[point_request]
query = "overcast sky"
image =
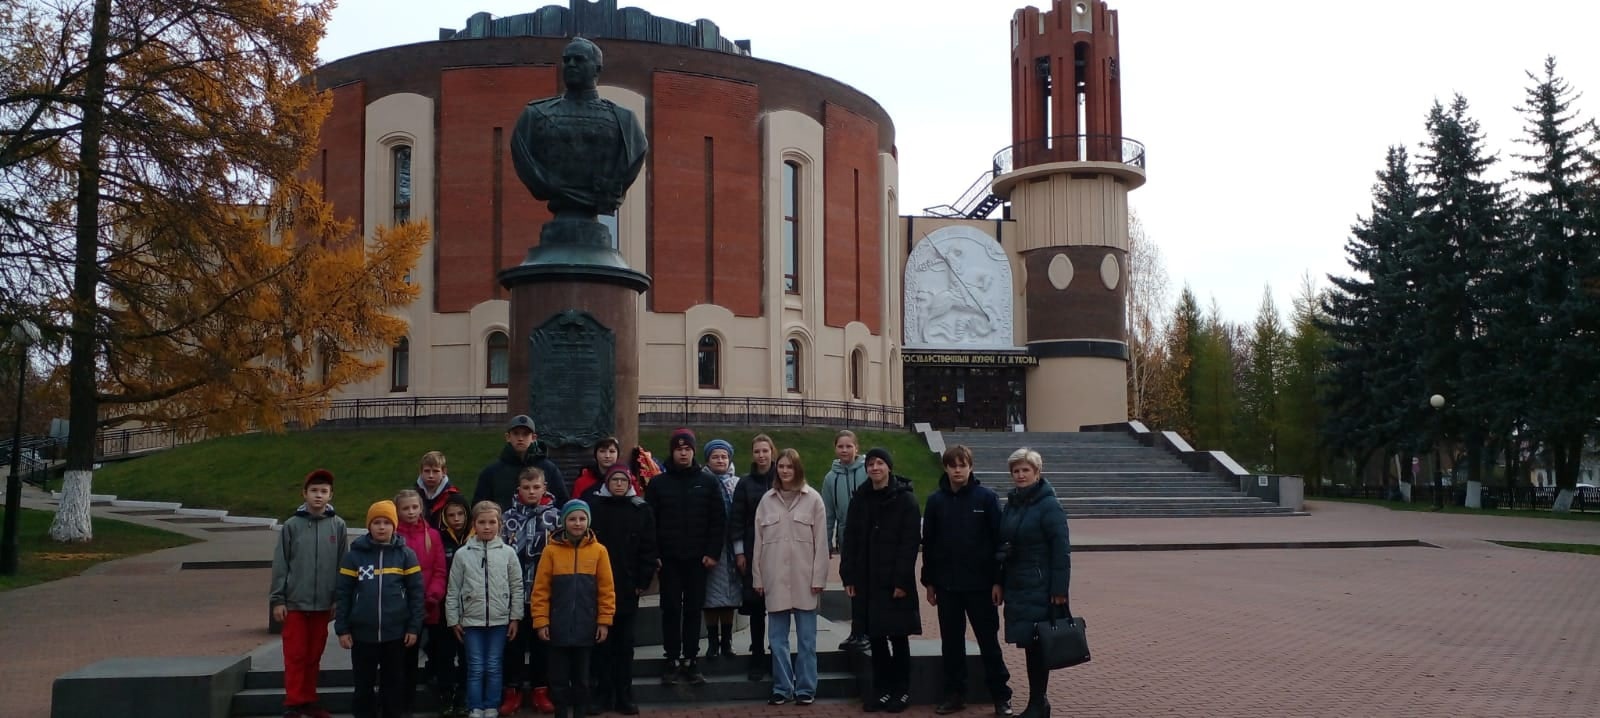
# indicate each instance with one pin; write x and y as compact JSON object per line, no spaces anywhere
{"x":1264,"y":120}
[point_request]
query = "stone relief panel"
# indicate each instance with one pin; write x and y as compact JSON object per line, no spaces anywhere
{"x":958,"y":292}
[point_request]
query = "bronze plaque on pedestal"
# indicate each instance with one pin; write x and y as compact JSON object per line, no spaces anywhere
{"x":572,"y":370}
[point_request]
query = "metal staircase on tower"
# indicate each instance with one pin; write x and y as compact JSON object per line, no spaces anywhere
{"x":976,"y":203}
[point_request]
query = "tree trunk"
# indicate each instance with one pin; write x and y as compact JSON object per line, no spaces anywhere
{"x":72,"y":518}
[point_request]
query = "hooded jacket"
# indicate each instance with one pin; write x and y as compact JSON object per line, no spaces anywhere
{"x":841,"y":484}
{"x":380,"y":595}
{"x":690,"y":517}
{"x":960,"y":532}
{"x":879,"y":555}
{"x":498,"y":481}
{"x":428,"y":546}
{"x":573,"y":592}
{"x":433,"y":504}
{"x":485,"y":585}
{"x":453,"y":541}
{"x":1038,"y":561}
{"x":305,"y":562}
{"x":626,"y":526}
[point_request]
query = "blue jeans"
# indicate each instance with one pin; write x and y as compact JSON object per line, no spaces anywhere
{"x":485,"y":649}
{"x":793,"y":676}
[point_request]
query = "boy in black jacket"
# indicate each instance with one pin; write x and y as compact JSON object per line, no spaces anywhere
{"x":690,"y":521}
{"x":960,"y":532}
{"x":498,"y":481}
{"x":378,"y":612}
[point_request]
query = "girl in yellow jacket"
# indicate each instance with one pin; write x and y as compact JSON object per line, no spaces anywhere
{"x":573,"y":581}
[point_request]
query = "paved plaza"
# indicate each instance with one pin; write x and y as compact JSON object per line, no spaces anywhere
{"x":1464,"y":628}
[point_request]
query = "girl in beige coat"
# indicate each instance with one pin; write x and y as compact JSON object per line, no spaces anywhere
{"x":791,"y":568}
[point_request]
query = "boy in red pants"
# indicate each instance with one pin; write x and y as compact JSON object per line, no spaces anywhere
{"x":305,"y":567}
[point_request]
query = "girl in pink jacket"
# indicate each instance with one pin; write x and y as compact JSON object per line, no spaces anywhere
{"x":425,"y":542}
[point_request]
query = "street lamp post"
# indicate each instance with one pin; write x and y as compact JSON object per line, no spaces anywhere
{"x":1437,"y":402}
{"x":25,"y":334}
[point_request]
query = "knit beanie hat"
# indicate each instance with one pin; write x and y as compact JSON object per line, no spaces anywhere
{"x":681,"y":437}
{"x":618,"y":469}
{"x":715,"y":444}
{"x":575,"y":505}
{"x":319,"y":476}
{"x":878,"y":452}
{"x":383,"y":510}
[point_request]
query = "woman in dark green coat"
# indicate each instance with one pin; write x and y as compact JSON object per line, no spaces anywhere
{"x":1037,"y":564}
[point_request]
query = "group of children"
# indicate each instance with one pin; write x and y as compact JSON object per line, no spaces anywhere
{"x":527,"y":596}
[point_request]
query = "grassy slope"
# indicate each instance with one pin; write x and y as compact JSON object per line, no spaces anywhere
{"x":41,"y":559}
{"x":259,"y":475}
{"x":1426,"y":506}
{"x":1583,"y":548}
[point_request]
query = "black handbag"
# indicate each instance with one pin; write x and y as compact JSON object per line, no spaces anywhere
{"x":1062,"y":639}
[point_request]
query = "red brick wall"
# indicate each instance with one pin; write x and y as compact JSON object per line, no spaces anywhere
{"x":486,"y":220}
{"x":341,"y":155}
{"x":852,"y":220}
{"x":690,"y":264}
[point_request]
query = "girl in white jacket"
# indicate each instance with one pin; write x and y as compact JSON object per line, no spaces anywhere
{"x":482,"y":604}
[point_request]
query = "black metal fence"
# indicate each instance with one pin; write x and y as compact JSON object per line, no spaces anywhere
{"x":1496,"y":497}
{"x":492,"y":411}
{"x":762,"y":411}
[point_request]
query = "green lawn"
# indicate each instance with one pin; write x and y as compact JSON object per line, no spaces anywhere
{"x":41,"y":559}
{"x":1426,"y":506}
{"x":1585,"y":548}
{"x":260,"y":474}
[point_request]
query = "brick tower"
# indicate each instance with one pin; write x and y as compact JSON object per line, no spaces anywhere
{"x":1067,"y":176}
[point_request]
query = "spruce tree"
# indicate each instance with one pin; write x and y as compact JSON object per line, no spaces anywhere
{"x":1371,"y":363}
{"x":1464,"y":224}
{"x":1547,"y":323}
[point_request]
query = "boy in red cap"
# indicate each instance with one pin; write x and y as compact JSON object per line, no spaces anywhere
{"x":305,"y":567}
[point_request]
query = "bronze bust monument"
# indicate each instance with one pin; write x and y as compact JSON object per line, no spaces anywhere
{"x":577,"y":151}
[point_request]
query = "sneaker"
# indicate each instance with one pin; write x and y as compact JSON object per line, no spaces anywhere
{"x":1003,"y":708}
{"x":805,"y":700}
{"x":669,"y":675}
{"x":899,"y":703}
{"x":952,"y":704}
{"x":475,"y":713}
{"x":757,"y":667}
{"x":857,"y":644}
{"x":492,"y":713}
{"x":873,"y":705}
{"x":691,"y":671}
{"x":315,"y":711}
{"x":777,"y":699}
{"x":294,"y":712}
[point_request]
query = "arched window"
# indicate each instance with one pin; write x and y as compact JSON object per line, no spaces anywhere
{"x":791,"y":227}
{"x":499,"y":351}
{"x":709,"y":361}
{"x":791,"y":366}
{"x":400,"y":365}
{"x":402,"y":183}
{"x":858,"y":364}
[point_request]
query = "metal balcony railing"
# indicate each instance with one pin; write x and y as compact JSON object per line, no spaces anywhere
{"x":1070,"y":148}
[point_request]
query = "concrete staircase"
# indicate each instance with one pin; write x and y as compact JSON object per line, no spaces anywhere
{"x":1112,"y":475}
{"x":841,"y":676}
